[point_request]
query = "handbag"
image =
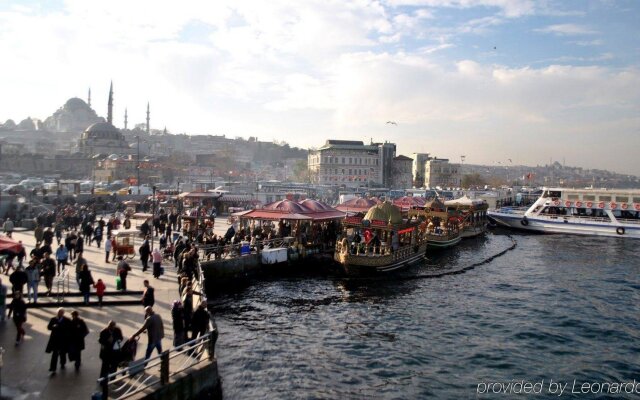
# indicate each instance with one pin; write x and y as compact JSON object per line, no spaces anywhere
{"x":117,"y":345}
{"x":118,"y":283}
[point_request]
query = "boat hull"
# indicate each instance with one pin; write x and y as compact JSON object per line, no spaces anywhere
{"x":473,"y":231}
{"x":443,"y":243}
{"x":566,"y":225}
{"x":364,"y":264}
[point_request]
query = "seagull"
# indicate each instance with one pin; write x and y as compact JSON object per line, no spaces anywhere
{"x":392,"y":122}
{"x":510,"y":160}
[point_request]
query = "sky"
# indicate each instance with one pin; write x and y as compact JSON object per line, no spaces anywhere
{"x":530,"y":81}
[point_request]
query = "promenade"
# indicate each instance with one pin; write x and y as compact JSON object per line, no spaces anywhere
{"x":25,"y":373}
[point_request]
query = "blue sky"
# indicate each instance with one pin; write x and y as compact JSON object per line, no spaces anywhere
{"x":490,"y":79}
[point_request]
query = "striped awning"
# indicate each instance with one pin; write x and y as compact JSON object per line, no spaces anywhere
{"x":234,"y":198}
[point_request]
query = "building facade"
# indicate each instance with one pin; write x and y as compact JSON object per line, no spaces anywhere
{"x":417,"y":168}
{"x":439,"y":173}
{"x":402,"y":177}
{"x":352,"y":163}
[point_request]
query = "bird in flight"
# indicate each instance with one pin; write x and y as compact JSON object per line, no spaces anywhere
{"x":510,"y":160}
{"x":392,"y":122}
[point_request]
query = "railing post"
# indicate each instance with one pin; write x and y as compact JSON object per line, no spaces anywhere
{"x":105,"y":387}
{"x":213,"y":337}
{"x":164,"y":368}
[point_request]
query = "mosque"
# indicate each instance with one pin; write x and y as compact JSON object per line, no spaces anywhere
{"x":102,"y":137}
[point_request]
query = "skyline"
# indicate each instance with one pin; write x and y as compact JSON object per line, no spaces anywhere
{"x":490,"y":79}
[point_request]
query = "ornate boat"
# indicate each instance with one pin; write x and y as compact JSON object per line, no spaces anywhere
{"x":441,"y":228}
{"x":379,"y":241}
{"x":472,"y":215}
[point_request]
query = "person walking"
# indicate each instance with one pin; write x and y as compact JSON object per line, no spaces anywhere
{"x":113,"y":248}
{"x":145,"y":251}
{"x":100,"y":289}
{"x":123,"y":271}
{"x":107,"y":249}
{"x":37,"y":233}
{"x":156,"y":257}
{"x":3,"y":301}
{"x":86,"y":281}
{"x":48,"y":271}
{"x":97,"y":235}
{"x":200,"y":321}
{"x":155,"y":331}
{"x":19,"y":310}
{"x":77,"y":332}
{"x":62,"y":255}
{"x":110,"y":340}
{"x":79,"y":245}
{"x":187,"y":303}
{"x":8,"y":227}
{"x":177,"y":317}
{"x":33,"y":279}
{"x":80,"y":261}
{"x":70,"y":244}
{"x":58,"y":344}
{"x":148,"y":295}
{"x":18,"y":279}
{"x":22,"y":254}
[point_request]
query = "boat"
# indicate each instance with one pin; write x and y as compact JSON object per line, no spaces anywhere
{"x":440,"y":227}
{"x":597,"y":212}
{"x":380,"y":241}
{"x":473,"y":215}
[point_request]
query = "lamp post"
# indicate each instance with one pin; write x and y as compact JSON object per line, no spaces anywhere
{"x":153,"y":212}
{"x":138,"y":163}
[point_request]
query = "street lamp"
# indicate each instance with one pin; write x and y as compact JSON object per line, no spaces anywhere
{"x":138,"y":162}
{"x":153,"y":212}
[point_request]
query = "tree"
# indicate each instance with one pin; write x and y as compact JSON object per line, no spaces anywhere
{"x":471,"y":180}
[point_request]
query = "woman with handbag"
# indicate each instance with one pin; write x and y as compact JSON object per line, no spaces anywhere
{"x":110,"y":343}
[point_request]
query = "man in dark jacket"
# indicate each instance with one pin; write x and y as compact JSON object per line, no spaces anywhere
{"x":200,"y":321}
{"x":145,"y":251}
{"x":110,"y":339}
{"x":18,"y":279}
{"x":78,"y":331}
{"x":59,"y":340}
{"x":148,"y":295}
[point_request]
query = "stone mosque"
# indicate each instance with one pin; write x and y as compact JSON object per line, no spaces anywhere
{"x":102,"y":137}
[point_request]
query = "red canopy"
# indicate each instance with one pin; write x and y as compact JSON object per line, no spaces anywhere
{"x":8,"y":244}
{"x":407,"y":202}
{"x":289,"y":209}
{"x":357,"y":205}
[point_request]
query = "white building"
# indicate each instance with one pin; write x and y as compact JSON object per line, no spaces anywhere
{"x":352,"y":163}
{"x":439,"y":173}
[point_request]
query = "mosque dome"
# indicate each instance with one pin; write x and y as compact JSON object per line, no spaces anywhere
{"x":102,"y":130}
{"x":74,"y":104}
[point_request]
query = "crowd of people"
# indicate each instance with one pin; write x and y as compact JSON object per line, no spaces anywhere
{"x":61,"y":241}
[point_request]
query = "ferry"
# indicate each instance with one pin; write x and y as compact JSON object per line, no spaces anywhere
{"x":380,"y":241}
{"x":597,"y":212}
{"x":439,"y":226}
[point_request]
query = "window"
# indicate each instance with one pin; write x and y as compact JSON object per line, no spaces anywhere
{"x":636,"y":199}
{"x":573,"y":197}
{"x":589,"y":197}
{"x":604,"y":198}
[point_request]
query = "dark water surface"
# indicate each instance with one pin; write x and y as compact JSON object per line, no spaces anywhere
{"x":556,"y":307}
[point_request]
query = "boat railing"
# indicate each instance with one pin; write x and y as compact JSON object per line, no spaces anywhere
{"x":512,"y":209}
{"x":580,"y":218}
{"x":219,"y":252}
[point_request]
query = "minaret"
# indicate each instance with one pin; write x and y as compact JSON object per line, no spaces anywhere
{"x":110,"y":111}
{"x":89,"y":98}
{"x":148,"y":118}
{"x":125,"y":119}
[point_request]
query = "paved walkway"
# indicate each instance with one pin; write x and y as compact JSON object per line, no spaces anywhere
{"x":25,"y":374}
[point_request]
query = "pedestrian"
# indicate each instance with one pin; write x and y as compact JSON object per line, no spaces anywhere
{"x":79,"y":245}
{"x":100,"y":289}
{"x":156,"y":256}
{"x":37,"y":233}
{"x":110,"y":341}
{"x":33,"y":279}
{"x":8,"y":227}
{"x":77,"y":332}
{"x":187,"y":304}
{"x":80,"y":261}
{"x":123,"y":271}
{"x":86,"y":281}
{"x":113,"y":248}
{"x":9,"y":262}
{"x":58,"y":344}
{"x":18,"y":279}
{"x":177,"y":317}
{"x":107,"y":249}
{"x":148,"y":295}
{"x":19,"y":310}
{"x":70,"y":244}
{"x":62,"y":255}
{"x":145,"y":251}
{"x":58,"y":233}
{"x":22,"y":254}
{"x":3,"y":301}
{"x":155,"y":331}
{"x":97,"y":234}
{"x":48,"y":271}
{"x":47,"y":236}
{"x":200,"y":321}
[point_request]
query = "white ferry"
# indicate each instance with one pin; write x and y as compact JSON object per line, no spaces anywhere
{"x":599,"y":212}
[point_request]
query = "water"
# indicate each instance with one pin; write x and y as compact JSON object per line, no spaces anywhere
{"x":556,"y":307}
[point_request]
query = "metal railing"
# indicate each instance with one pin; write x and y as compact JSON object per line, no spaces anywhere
{"x":218,"y":252}
{"x":62,"y":283}
{"x":142,"y":375}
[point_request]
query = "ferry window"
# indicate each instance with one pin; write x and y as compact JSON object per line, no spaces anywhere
{"x":622,"y":198}
{"x":636,"y":199}
{"x":589,"y":197}
{"x":555,"y":193}
{"x":573,"y":197}
{"x":605,"y":198}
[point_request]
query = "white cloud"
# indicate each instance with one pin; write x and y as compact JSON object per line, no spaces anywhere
{"x":567,"y":30}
